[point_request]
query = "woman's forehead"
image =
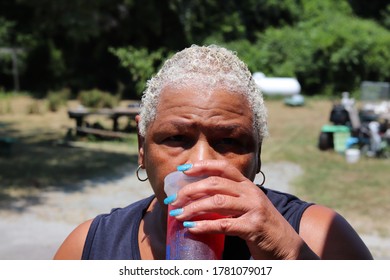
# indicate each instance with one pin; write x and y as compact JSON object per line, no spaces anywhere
{"x":220,"y":109}
{"x":198,"y":97}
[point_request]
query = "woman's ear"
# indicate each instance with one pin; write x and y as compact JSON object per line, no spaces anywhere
{"x":141,"y":142}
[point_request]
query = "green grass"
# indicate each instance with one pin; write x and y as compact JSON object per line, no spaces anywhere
{"x":360,"y":191}
{"x":41,"y":158}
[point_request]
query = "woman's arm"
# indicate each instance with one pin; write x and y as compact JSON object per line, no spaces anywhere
{"x":72,"y":247}
{"x":330,"y":236}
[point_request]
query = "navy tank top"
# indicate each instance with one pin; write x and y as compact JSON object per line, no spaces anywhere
{"x":114,"y":236}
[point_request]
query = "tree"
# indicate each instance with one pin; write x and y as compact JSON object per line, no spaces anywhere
{"x":67,"y":42}
{"x":378,"y":10}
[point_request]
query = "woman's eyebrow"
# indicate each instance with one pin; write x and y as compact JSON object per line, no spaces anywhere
{"x":177,"y":124}
{"x":227,"y":127}
{"x":232,"y":128}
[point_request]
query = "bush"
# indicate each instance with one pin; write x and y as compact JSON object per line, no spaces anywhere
{"x":5,"y":105}
{"x":34,"y":108}
{"x":55,"y":99}
{"x":98,"y":99}
{"x":333,"y":54}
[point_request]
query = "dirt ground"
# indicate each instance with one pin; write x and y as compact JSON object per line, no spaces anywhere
{"x":34,"y":227}
{"x":34,"y":223}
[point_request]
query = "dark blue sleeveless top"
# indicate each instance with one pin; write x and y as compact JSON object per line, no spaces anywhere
{"x":115,"y":236}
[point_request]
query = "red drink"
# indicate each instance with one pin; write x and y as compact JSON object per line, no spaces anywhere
{"x":180,"y":243}
{"x":183,"y":245}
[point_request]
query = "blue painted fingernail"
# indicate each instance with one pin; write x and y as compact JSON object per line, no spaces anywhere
{"x":176,"y":212}
{"x":184,"y":167}
{"x":170,"y":199}
{"x":188,"y":224}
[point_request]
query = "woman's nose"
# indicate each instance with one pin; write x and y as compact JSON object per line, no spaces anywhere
{"x":202,"y":151}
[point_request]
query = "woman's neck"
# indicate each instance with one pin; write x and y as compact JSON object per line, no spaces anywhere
{"x":152,"y":232}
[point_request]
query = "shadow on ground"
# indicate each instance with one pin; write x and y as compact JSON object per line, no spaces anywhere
{"x":35,"y":164}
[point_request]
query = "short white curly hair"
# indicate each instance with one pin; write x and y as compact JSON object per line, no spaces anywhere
{"x":211,"y":67}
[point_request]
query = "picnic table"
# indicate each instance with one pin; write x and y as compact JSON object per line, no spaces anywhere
{"x":80,"y":114}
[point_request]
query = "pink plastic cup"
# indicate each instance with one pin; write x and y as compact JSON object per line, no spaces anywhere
{"x":180,"y":243}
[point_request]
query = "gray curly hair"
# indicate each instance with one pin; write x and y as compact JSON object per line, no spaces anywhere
{"x":210,"y":67}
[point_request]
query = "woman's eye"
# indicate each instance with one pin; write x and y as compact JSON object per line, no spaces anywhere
{"x":228,"y":141}
{"x":229,"y":145}
{"x":175,"y":140}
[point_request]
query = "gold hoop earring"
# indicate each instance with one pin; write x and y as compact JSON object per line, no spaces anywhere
{"x":262,"y":183}
{"x":137,"y":173}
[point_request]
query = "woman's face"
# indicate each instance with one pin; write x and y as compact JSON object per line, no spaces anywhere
{"x":190,"y":127}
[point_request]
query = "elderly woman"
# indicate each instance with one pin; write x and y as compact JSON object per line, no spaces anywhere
{"x":202,"y":114}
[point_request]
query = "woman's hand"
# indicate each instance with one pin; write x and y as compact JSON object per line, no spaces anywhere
{"x":249,"y":214}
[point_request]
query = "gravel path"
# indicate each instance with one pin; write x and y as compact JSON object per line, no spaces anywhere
{"x":35,"y":226}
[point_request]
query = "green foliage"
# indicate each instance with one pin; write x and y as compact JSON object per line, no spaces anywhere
{"x":56,"y":99}
{"x":326,"y":44}
{"x":98,"y":99}
{"x":385,"y":13}
{"x":324,"y":57}
{"x":269,"y":13}
{"x":34,"y":108}
{"x":141,"y":64}
{"x":378,"y":10}
{"x":344,"y":57}
{"x":5,"y":103}
{"x":324,"y":8}
{"x":12,"y":52}
{"x":232,"y":20}
{"x":77,"y":20}
{"x":5,"y":27}
{"x":56,"y":63}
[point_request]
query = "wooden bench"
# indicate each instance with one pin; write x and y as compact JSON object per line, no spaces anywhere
{"x":114,"y":114}
{"x":102,"y":133}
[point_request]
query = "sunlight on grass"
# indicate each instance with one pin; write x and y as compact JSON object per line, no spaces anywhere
{"x":42,"y":157}
{"x":358,"y":191}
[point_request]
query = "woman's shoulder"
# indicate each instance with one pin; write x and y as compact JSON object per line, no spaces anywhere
{"x":112,"y":220}
{"x":331,"y":236}
{"x":122,"y":212}
{"x":74,"y":244}
{"x":72,"y":247}
{"x":289,"y":205}
{"x":285,"y":202}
